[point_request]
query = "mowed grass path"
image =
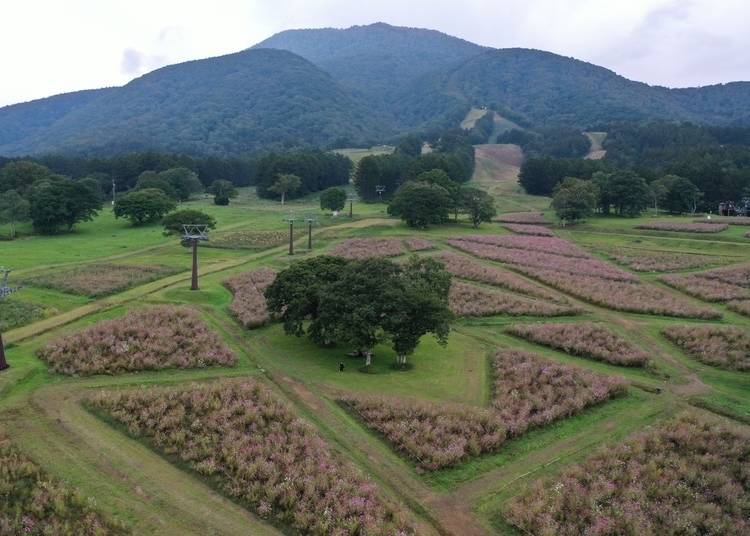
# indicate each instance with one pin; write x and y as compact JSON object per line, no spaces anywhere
{"x":43,"y":411}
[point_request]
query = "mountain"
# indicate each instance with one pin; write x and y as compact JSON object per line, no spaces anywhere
{"x":330,"y":87}
{"x":226,"y":105}
{"x":377,"y":60}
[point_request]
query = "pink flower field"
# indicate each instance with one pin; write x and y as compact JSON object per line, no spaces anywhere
{"x":725,"y":347}
{"x":730,"y":284}
{"x":621,"y":295}
{"x":546,"y":261}
{"x":643,"y":260}
{"x":535,"y":230}
{"x":156,"y":338}
{"x":529,"y":390}
{"x":688,"y":476}
{"x":249,"y":303}
{"x":729,"y":220}
{"x":534,"y":218}
{"x":545,"y":244}
{"x":96,"y":280}
{"x":34,"y":503}
{"x":365,"y":248}
{"x":471,"y":300}
{"x":468,"y":268}
{"x":739,"y":306}
{"x":250,"y":443}
{"x":585,"y":339}
{"x":418,"y":244}
{"x":684,"y":227}
{"x":432,"y":435}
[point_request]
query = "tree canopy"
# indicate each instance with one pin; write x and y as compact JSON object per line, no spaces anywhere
{"x":333,"y":199}
{"x":421,"y":204}
{"x":144,"y":206}
{"x":575,"y":199}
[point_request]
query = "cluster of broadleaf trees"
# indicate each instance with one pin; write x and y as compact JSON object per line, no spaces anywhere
{"x":679,"y":168}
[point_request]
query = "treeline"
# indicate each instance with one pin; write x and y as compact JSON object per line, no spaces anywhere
{"x":558,"y":142}
{"x":452,"y":152}
{"x":714,"y":160}
{"x":316,"y":170}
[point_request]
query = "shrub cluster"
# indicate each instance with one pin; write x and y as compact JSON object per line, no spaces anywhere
{"x":643,"y":260}
{"x":684,"y":227}
{"x":533,"y":218}
{"x":545,"y":244}
{"x":247,"y":239}
{"x":100,"y":279}
{"x":418,"y":244}
{"x":251,"y":443}
{"x":472,"y":300}
{"x":689,"y":476}
{"x":622,"y":295}
{"x":467,"y":268}
{"x":432,"y":435}
{"x":740,"y":306}
{"x":731,"y":285}
{"x":15,"y":313}
{"x":366,"y":248}
{"x":149,"y":339}
{"x":721,"y":346}
{"x":525,"y":229}
{"x":585,"y":339}
{"x":249,"y":302}
{"x":531,"y":391}
{"x":546,"y":261}
{"x":31,"y":502}
{"x":731,"y":220}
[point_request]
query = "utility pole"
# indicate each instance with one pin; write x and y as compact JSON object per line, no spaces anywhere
{"x":5,"y":291}
{"x":310,"y":222}
{"x":192,"y":234}
{"x":291,"y":219}
{"x":380,"y":189}
{"x":352,"y":198}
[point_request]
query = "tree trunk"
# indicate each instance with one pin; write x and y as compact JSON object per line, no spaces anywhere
{"x":283,"y":195}
{"x":3,"y":363}
{"x":12,"y":230}
{"x":368,"y":358}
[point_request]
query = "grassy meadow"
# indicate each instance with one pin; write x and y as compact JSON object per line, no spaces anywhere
{"x":154,"y":493}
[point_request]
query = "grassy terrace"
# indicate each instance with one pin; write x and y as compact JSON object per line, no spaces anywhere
{"x":43,"y":412}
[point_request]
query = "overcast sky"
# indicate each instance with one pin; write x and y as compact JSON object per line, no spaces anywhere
{"x":54,"y":46}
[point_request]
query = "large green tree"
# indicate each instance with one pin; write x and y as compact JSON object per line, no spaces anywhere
{"x":421,"y":204}
{"x":478,"y":204}
{"x":13,"y":210}
{"x":57,"y":202}
{"x":19,"y":175}
{"x":173,"y":223}
{"x":333,"y":199}
{"x":184,"y":182}
{"x":574,"y":199}
{"x":151,"y":180}
{"x":284,"y":184}
{"x":144,"y":206}
{"x":222,"y":191}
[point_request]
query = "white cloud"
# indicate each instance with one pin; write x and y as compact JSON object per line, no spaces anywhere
{"x":50,"y":46}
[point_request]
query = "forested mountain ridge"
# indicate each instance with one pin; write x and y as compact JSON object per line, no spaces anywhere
{"x":231,"y":104}
{"x":334,"y":88}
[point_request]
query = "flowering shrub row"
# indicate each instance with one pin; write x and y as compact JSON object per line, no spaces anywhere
{"x":251,"y":443}
{"x":643,"y":260}
{"x":731,"y":220}
{"x":689,"y":476}
{"x":548,"y":261}
{"x":740,"y":306}
{"x":418,"y":244}
{"x":528,"y":391}
{"x":31,"y":502}
{"x":721,"y":346}
{"x":704,"y":288}
{"x":15,"y":313}
{"x":149,"y":339}
{"x":365,"y":248}
{"x":545,"y":244}
{"x":523,"y":218}
{"x":536,"y":230}
{"x":247,"y":239}
{"x":586,"y":339}
{"x":100,"y":279}
{"x":732,"y":275}
{"x":622,"y":295}
{"x":467,"y":268}
{"x":531,"y":391}
{"x":684,"y":227}
{"x":249,"y":303}
{"x":471,"y":300}
{"x":432,"y":435}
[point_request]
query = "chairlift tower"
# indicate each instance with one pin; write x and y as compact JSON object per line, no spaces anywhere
{"x":351,"y":199}
{"x":191,"y":235}
{"x":5,"y":291}
{"x":380,"y":190}
{"x":310,"y":222}
{"x":291,"y":219}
